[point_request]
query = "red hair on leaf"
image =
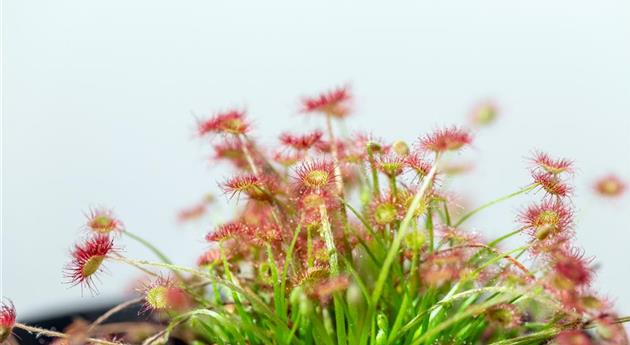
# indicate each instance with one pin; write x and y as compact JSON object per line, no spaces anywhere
{"x":228,"y":122}
{"x":552,"y":184}
{"x":446,"y":139}
{"x":227,"y":231}
{"x":7,"y":320}
{"x":335,"y":103}
{"x":260,"y":188}
{"x":547,"y":219}
{"x":544,"y":162}
{"x":102,"y":220}
{"x":314,"y":176}
{"x":164,"y":294}
{"x":87,"y":260}
{"x":301,"y":142}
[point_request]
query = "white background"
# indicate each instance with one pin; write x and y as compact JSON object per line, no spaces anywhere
{"x":97,"y":101}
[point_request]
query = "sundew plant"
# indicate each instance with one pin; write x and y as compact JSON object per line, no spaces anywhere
{"x":354,"y":240}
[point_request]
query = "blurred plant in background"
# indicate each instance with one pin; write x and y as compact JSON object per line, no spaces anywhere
{"x":354,"y":240}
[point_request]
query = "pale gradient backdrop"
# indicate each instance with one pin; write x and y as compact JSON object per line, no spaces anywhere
{"x":98,"y":95}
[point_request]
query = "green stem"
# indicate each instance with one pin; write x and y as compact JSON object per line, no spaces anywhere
{"x":289,"y":256}
{"x":445,"y":301}
{"x":340,"y":320}
{"x":149,"y":246}
{"x":429,"y":226}
{"x":623,"y":319}
{"x":161,"y":265}
{"x":399,"y":318}
{"x":517,"y":256}
{"x":504,"y":237}
{"x":266,"y":165}
{"x":248,"y":155}
{"x":493,"y":202}
{"x":338,"y":179}
{"x":252,"y":164}
{"x":447,"y":214}
{"x":530,"y":338}
{"x":473,"y":310}
{"x":335,"y":155}
{"x":237,"y":300}
{"x":251,"y":296}
{"x":329,"y":241}
{"x":393,"y":187}
{"x":217,"y":293}
{"x":309,"y":248}
{"x":375,"y":184}
{"x":278,"y":298}
{"x":402,"y":232}
{"x":498,"y":258}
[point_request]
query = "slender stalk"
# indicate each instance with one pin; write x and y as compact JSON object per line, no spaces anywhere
{"x":430,"y":228}
{"x":121,"y":258}
{"x":395,"y":246}
{"x":623,"y":319}
{"x":473,"y":310}
{"x":377,"y":191}
{"x":248,"y":155}
{"x":547,"y":334}
{"x":237,"y":300}
{"x":447,"y":214}
{"x":444,"y":301}
{"x":161,"y":265}
{"x":278,"y":298}
{"x":54,"y":334}
{"x":267,"y":166}
{"x":448,"y":296}
{"x":338,"y":173}
{"x":113,"y":311}
{"x":122,"y":327}
{"x":250,"y":161}
{"x":149,"y":246}
{"x":288,"y":257}
{"x":402,"y":232}
{"x":506,"y":236}
{"x":499,"y":257}
{"x":399,"y":317}
{"x":335,"y":155}
{"x":155,"y":251}
{"x":530,"y":338}
{"x":251,"y":296}
{"x":328,"y":240}
{"x":493,"y":202}
{"x":310,"y":261}
{"x":511,"y":259}
{"x":393,"y":186}
{"x":340,"y":322}
{"x":216,"y":292}
{"x":294,"y":328}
